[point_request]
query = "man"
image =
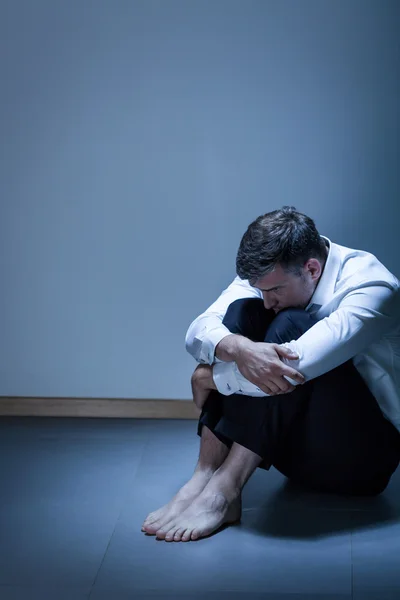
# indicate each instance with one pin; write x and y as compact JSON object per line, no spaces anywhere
{"x":299,"y":368}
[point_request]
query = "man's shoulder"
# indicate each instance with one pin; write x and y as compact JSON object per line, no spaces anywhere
{"x":360,"y":267}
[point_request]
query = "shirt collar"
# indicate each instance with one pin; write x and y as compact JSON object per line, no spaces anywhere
{"x":326,"y":284}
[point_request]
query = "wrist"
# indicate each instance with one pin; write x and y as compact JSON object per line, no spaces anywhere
{"x":231,"y":347}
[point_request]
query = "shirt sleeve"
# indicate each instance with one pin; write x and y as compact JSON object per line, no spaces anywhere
{"x":207,"y":330}
{"x":362,"y":317}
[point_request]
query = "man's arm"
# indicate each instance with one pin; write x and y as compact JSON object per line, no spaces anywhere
{"x":207,"y":330}
{"x":207,"y":333}
{"x":363,"y":316}
{"x":228,"y":349}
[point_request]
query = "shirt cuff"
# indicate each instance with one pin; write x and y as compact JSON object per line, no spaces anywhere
{"x":229,"y":380}
{"x":224,"y":378}
{"x":245,"y":386}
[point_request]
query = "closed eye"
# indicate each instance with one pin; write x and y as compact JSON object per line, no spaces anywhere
{"x":278,"y":287}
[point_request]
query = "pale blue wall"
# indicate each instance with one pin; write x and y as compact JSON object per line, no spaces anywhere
{"x":138,"y":140}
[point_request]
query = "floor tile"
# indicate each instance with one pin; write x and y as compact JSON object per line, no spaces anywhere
{"x":376,"y":558}
{"x":42,"y":593}
{"x":72,"y":428}
{"x":53,"y":544}
{"x":377,"y":595}
{"x":388,"y":502}
{"x":88,"y":470}
{"x":60,"y":499}
{"x":99,"y":594}
{"x":270,"y":553}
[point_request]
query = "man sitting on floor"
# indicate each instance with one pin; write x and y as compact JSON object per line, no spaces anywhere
{"x":299,"y":369}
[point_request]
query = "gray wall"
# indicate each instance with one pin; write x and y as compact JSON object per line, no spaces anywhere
{"x":138,"y":140}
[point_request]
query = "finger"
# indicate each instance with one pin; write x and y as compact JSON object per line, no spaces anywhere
{"x":293,"y":374}
{"x":264,"y":388}
{"x":288,"y":387}
{"x":285,"y":352}
{"x":270,"y":388}
{"x":282,"y":385}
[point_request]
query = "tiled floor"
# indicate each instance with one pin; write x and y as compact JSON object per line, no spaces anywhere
{"x":74,"y":493}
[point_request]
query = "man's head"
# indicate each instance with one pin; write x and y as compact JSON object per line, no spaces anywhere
{"x":283,"y":255}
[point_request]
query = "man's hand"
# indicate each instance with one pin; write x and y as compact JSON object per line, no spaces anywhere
{"x":202,"y":383}
{"x":260,"y":363}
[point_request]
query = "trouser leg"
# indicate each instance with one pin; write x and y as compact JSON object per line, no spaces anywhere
{"x":257,"y":423}
{"x":340,"y":440}
{"x":249,"y":318}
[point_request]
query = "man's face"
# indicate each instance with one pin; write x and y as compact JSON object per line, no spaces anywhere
{"x":284,"y":290}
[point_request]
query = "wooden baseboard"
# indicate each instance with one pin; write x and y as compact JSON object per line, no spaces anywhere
{"x":98,"y":407}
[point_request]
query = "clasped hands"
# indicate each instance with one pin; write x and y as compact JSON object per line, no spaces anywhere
{"x":260,"y":363}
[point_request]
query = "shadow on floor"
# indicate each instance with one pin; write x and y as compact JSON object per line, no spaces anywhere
{"x":292,"y":511}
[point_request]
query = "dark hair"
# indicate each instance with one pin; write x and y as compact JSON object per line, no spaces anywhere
{"x":285,"y":237}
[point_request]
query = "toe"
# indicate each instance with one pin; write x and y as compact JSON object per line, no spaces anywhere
{"x":170,"y":535}
{"x":186,"y":535}
{"x":161,"y":533}
{"x":178,"y":534}
{"x":152,"y":528}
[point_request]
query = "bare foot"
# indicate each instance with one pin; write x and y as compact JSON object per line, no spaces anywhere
{"x":207,"y":513}
{"x":178,"y":504}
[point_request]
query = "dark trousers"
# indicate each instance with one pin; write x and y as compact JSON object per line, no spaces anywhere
{"x":328,"y":434}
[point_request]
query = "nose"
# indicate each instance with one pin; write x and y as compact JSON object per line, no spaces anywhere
{"x":269,"y":304}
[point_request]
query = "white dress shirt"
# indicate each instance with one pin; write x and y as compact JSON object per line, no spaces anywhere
{"x":357,"y":304}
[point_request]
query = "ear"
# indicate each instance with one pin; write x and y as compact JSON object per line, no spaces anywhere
{"x":314,"y":268}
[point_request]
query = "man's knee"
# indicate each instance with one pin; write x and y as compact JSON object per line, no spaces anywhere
{"x":248,"y":317}
{"x":289,"y":324}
